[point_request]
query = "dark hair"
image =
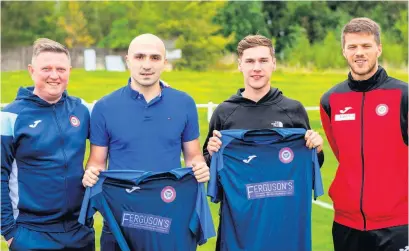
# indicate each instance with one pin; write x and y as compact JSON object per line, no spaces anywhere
{"x":252,"y":41}
{"x":362,"y":25}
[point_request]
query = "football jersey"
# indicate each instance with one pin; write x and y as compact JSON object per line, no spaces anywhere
{"x":151,"y":210}
{"x":264,"y":179}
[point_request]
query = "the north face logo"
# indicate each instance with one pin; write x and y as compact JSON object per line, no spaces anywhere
{"x":404,"y":249}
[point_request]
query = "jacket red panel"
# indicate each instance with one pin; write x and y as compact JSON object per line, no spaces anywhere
{"x":367,"y":131}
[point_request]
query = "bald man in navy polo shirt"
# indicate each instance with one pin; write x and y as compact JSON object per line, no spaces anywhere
{"x":144,"y":125}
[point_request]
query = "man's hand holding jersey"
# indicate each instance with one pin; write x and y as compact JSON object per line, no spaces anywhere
{"x":314,"y":140}
{"x":199,"y":168}
{"x":214,"y":143}
{"x":201,"y":171}
{"x":91,"y":176}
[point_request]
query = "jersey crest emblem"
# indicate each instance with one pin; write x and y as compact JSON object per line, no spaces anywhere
{"x":286,"y":155}
{"x":75,"y":122}
{"x":168,"y":194}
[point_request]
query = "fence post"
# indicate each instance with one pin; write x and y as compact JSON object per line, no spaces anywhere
{"x":209,"y":111}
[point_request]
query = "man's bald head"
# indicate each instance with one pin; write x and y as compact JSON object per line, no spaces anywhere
{"x":146,"y":60}
{"x":146,"y":39}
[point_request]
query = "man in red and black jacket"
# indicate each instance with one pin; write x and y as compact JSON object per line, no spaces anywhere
{"x":365,"y":119}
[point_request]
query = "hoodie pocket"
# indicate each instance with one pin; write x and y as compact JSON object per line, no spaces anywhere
{"x":41,"y":191}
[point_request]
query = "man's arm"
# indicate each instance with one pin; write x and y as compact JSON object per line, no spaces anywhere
{"x":96,"y":163}
{"x":303,"y":121}
{"x":99,"y":139}
{"x":194,"y":158}
{"x":190,"y":143}
{"x":8,"y":224}
{"x":404,"y":114}
{"x":325,"y":114}
{"x":214,"y":124}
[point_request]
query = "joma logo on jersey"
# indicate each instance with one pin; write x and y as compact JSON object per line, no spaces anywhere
{"x":345,"y":116}
{"x":34,"y":125}
{"x":345,"y":109}
{"x":132,"y":189}
{"x":249,"y":158}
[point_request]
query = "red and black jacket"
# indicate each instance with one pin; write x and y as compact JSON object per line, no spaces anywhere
{"x":366,"y":123}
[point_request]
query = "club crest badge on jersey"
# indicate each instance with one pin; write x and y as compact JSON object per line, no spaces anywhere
{"x":286,"y":155}
{"x":75,"y":122}
{"x":168,"y":194}
{"x":382,"y":109}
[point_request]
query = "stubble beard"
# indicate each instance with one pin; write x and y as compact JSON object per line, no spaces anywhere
{"x":146,"y":84}
{"x":370,"y":69}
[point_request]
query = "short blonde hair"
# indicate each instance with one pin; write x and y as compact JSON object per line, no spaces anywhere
{"x":48,"y":45}
{"x":362,"y":25}
{"x":252,"y":41}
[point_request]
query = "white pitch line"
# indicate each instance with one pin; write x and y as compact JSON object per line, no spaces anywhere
{"x":323,"y":204}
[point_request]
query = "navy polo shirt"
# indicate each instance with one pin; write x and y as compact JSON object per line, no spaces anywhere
{"x":141,"y":135}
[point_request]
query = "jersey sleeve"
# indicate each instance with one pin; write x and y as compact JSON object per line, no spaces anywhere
{"x":98,"y":130}
{"x":113,"y":225}
{"x":8,"y":179}
{"x":317,"y":179}
{"x":92,"y":204}
{"x":191,"y":131}
{"x":87,"y":209}
{"x":214,"y":190}
{"x":201,"y":223}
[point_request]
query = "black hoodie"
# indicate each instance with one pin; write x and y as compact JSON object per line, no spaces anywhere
{"x":273,"y":110}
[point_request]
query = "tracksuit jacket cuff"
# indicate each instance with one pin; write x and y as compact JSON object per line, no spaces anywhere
{"x":10,"y":234}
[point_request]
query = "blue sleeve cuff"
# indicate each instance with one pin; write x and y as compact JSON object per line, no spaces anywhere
{"x":190,"y":138}
{"x":98,"y":143}
{"x":10,"y":233}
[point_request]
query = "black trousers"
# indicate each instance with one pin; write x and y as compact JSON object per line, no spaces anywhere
{"x":385,"y":239}
{"x":108,"y":242}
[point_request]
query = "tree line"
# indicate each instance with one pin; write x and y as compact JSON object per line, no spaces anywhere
{"x":303,"y":33}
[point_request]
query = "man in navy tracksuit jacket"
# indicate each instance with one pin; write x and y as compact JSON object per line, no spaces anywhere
{"x":43,"y":136}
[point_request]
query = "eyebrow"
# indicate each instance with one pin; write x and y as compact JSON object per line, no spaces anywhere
{"x":143,"y":54}
{"x":256,"y":58}
{"x":364,"y":43}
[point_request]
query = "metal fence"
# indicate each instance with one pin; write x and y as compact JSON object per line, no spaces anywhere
{"x":209,"y":106}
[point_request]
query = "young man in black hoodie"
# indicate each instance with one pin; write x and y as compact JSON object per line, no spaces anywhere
{"x":258,"y":105}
